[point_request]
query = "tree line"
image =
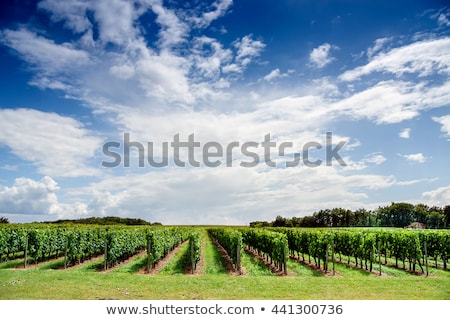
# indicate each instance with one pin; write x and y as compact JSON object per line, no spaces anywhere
{"x":398,"y":215}
{"x":98,"y":221}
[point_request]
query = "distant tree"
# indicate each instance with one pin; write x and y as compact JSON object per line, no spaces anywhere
{"x":435,"y":220}
{"x":260,"y":224}
{"x":362,"y":218}
{"x":4,"y":220}
{"x":280,"y":222}
{"x":309,"y":221}
{"x":106,"y":221}
{"x":421,"y":212}
{"x":446,"y":216}
{"x":323,"y":218}
{"x":396,"y":215}
{"x":296,"y":222}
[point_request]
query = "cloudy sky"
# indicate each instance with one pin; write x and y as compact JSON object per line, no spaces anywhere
{"x":79,"y":74}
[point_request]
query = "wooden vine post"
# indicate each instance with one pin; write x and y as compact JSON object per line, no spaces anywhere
{"x":426,"y":256}
{"x":238,"y":257}
{"x":192,"y":255}
{"x":149,"y":255}
{"x":285,"y":257}
{"x":379,"y":256}
{"x":26,"y":252}
{"x":66,"y":245}
{"x":332,"y":256}
{"x":106,"y":254}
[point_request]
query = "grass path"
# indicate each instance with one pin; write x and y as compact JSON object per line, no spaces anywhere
{"x":78,"y":284}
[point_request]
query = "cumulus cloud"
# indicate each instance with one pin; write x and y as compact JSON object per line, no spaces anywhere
{"x":415,"y":157}
{"x":44,"y":54}
{"x":445,"y":123}
{"x":422,"y":57}
{"x":109,"y":40}
{"x":231,"y":195}
{"x":375,"y":158}
{"x":437,"y":197}
{"x":275,"y":74}
{"x":28,"y":196}
{"x":377,"y":46}
{"x":247,"y":49}
{"x":385,"y":102}
{"x":405,"y":133}
{"x":442,"y":17}
{"x":218,"y":9}
{"x":57,"y":145}
{"x":321,"y":56}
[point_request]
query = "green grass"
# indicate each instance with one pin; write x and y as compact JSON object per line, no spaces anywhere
{"x":179,"y":263}
{"x":254,"y":267}
{"x":134,"y":266}
{"x":78,"y":284}
{"x":213,"y":260}
{"x":301,"y":270}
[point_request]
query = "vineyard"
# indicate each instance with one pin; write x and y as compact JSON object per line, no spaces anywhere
{"x":280,"y":252}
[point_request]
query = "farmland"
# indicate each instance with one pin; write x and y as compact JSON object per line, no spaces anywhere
{"x":118,"y":262}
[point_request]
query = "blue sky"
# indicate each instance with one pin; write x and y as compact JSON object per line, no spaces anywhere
{"x":79,"y":74}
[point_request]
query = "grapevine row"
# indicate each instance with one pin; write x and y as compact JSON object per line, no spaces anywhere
{"x":367,"y":245}
{"x":272,"y":244}
{"x":231,"y":241}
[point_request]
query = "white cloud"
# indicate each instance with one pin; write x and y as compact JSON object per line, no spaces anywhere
{"x":164,"y":76}
{"x":377,"y":47}
{"x":73,"y":13}
{"x":375,"y":158}
{"x":220,"y":8}
{"x":445,"y":123}
{"x":230,"y":195}
{"x":275,"y":74}
{"x":9,"y":167}
{"x":415,"y":157}
{"x":423,"y":57}
{"x":320,"y":56}
{"x":415,"y":181}
{"x":405,"y":133}
{"x":44,"y":54}
{"x":247,"y":49}
{"x":113,"y":19}
{"x":169,"y":70}
{"x":385,"y":102}
{"x":57,"y":145}
{"x":442,"y":17}
{"x":28,"y":196}
{"x":208,"y":57}
{"x":437,"y":197}
{"x":173,"y":31}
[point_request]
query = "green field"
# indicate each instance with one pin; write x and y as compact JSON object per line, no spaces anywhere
{"x":212,"y":280}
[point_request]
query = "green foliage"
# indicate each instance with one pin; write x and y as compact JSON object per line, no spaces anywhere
{"x":105,"y":221}
{"x":271,"y":243}
{"x":195,"y":245}
{"x":362,"y":244}
{"x":230,"y":240}
{"x":122,"y":243}
{"x":395,"y":215}
{"x":161,"y":241}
